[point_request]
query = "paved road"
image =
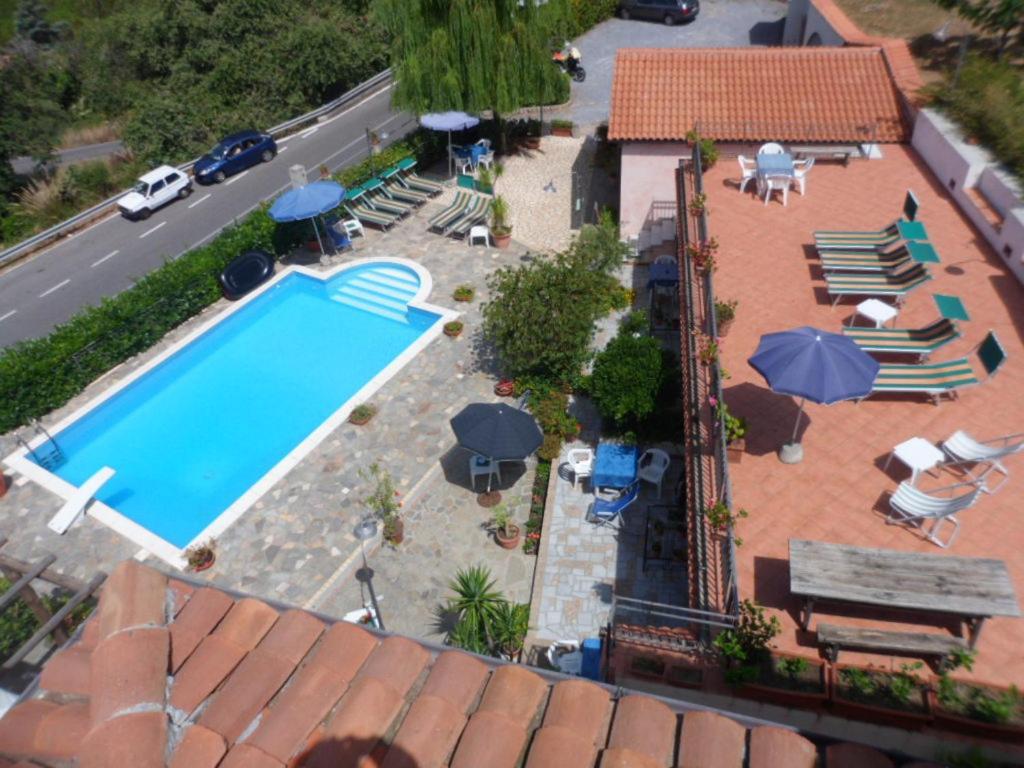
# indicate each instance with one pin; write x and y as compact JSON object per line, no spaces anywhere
{"x":721,"y":23}
{"x":39,"y":292}
{"x":73,"y":155}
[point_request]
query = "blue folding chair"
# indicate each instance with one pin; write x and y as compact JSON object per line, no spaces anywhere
{"x":609,"y":511}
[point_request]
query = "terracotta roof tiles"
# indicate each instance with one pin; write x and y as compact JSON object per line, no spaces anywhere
{"x":269,"y":689}
{"x":840,"y":95}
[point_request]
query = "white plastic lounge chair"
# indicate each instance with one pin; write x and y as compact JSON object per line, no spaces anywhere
{"x":964,"y":449}
{"x":652,"y":466}
{"x":910,"y":506}
{"x":748,"y":172}
{"x":581,"y":463}
{"x":80,"y":499}
{"x":481,"y":465}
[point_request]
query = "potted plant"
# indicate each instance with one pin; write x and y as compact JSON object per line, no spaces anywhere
{"x":509,"y":626}
{"x":704,"y":255}
{"x":735,"y":433}
{"x":505,"y":388}
{"x":453,"y":329}
{"x":383,"y":501}
{"x":501,"y":231}
{"x":708,"y":150}
{"x":464,"y":293}
{"x":725,"y":313}
{"x":561,"y":127}
{"x":744,"y":648}
{"x":506,"y":532}
{"x":789,"y":681}
{"x":362,"y":413}
{"x":201,"y":556}
{"x":533,"y":128}
{"x":721,"y":519}
{"x":879,"y":695}
{"x":707,"y":349}
{"x":974,"y":709}
{"x":699,"y":204}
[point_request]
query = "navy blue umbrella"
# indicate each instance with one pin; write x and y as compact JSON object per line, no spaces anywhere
{"x":308,"y":202}
{"x":814,"y":365}
{"x":497,"y":431}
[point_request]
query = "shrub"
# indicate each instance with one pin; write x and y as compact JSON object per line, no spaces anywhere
{"x":40,"y":375}
{"x":988,"y":101}
{"x":18,"y":623}
{"x":626,"y":378}
{"x":561,"y":124}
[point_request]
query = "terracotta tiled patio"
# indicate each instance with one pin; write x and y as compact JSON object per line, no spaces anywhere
{"x":840,"y":491}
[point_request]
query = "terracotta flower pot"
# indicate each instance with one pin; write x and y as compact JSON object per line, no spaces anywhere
{"x":395,"y":533}
{"x":532,"y":142}
{"x":979,"y":729}
{"x":724,"y":326}
{"x":909,"y":719}
{"x":509,"y":542}
{"x":734,"y":450}
{"x":3,"y":484}
{"x":207,"y":564}
{"x":505,"y":388}
{"x":791,"y":697}
{"x":501,"y":240}
{"x":453,"y":330}
{"x":359,"y":420}
{"x":560,"y":130}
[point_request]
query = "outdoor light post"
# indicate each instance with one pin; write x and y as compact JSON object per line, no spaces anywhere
{"x":374,"y":141}
{"x":366,"y":529}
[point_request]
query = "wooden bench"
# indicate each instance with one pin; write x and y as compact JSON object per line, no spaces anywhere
{"x":826,"y":152}
{"x":927,"y":644}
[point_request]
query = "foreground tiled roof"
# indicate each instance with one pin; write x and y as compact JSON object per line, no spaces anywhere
{"x":755,"y":94}
{"x":168,"y":674}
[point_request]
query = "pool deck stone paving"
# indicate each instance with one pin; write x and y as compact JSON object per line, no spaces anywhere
{"x":296,"y":543}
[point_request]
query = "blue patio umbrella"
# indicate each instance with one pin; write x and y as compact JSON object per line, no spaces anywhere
{"x":813,"y":365}
{"x":448,"y":121}
{"x":308,"y":202}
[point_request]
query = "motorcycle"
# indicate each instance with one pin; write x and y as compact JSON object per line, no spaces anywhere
{"x":570,"y":60}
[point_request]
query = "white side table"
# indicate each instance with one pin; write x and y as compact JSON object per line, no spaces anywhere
{"x":478,"y":233}
{"x":877,"y":311}
{"x":918,"y":454}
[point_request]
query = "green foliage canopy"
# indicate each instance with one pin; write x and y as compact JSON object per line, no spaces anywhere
{"x":626,"y":379}
{"x":472,"y":55}
{"x":1002,"y":17}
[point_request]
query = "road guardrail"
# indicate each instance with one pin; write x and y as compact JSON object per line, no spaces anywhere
{"x":75,"y":222}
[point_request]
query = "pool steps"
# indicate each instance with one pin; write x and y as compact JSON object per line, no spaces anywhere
{"x":382,"y":291}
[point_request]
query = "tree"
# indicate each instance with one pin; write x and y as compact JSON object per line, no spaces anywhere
{"x":30,"y":23}
{"x":29,"y":118}
{"x":627,"y":377}
{"x":472,"y":55}
{"x":1001,"y":17}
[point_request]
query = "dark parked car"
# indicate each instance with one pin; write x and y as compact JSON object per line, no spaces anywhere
{"x":667,"y":11}
{"x":234,"y":154}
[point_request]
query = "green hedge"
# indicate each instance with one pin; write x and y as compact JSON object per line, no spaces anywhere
{"x":585,"y":14}
{"x":425,"y":146}
{"x":40,"y":375}
{"x":988,"y":101}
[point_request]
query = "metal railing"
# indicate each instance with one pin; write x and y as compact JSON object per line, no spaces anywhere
{"x":705,"y":435}
{"x":668,"y":627}
{"x":65,"y":227}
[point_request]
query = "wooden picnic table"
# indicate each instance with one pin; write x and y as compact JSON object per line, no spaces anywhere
{"x":971,"y":588}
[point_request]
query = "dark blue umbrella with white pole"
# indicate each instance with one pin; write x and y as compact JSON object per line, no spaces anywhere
{"x":813,"y":365}
{"x":308,"y":202}
{"x":449,"y":121}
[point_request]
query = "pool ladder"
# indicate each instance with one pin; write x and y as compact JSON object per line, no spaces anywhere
{"x":47,"y":454}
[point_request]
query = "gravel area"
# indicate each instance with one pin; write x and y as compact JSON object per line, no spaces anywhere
{"x":539,"y":190}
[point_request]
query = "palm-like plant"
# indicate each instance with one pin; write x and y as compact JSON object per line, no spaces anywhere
{"x":477,"y":604}
{"x":511,"y":623}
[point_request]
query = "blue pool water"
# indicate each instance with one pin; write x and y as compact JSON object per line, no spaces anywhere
{"x":193,"y":434}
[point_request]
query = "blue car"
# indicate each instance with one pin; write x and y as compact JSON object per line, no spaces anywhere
{"x":234,"y":154}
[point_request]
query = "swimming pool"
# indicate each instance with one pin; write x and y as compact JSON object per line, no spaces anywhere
{"x":205,"y":429}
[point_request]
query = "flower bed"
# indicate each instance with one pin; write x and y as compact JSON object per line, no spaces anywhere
{"x":538,"y":498}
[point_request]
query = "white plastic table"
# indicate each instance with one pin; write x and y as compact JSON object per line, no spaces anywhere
{"x":918,"y":454}
{"x":877,"y":311}
{"x":477,"y":233}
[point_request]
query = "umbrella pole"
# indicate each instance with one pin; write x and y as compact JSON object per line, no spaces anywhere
{"x":796,"y":427}
{"x":451,"y":169}
{"x":319,"y":241}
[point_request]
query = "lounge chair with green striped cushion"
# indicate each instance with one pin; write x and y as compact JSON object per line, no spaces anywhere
{"x":475,"y":213}
{"x":404,"y":174}
{"x":896,"y":283}
{"x":400,"y":192}
{"x":379,"y":200}
{"x":904,"y":341}
{"x":938,"y":379}
{"x":452,"y":213}
{"x":897,"y":232}
{"x":878,"y":261}
{"x":358,"y":210}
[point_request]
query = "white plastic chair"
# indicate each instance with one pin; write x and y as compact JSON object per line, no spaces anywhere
{"x":908,"y":505}
{"x":779,"y":183}
{"x":486,"y":160}
{"x":748,"y":171}
{"x":652,"y":467}
{"x":581,"y":462}
{"x":464,"y":165}
{"x":478,"y":233}
{"x":964,"y":449}
{"x":481,"y":465}
{"x":800,"y":171}
{"x":771,"y":148}
{"x":353,"y":227}
{"x":485,"y":143}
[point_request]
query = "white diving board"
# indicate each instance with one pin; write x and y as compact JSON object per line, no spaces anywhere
{"x":79,"y":500}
